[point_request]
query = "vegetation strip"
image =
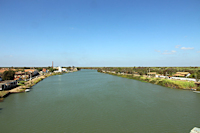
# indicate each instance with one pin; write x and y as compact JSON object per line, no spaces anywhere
{"x":163,"y":82}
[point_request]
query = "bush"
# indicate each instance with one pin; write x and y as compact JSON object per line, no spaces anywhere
{"x":20,"y":84}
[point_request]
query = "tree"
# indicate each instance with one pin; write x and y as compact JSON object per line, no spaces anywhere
{"x":39,"y":68}
{"x":51,"y":69}
{"x":8,"y":75}
{"x":197,"y":76}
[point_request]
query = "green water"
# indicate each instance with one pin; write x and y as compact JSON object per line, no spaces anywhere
{"x":92,"y":102}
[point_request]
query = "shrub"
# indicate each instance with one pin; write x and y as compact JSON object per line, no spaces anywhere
{"x":20,"y":84}
{"x":8,"y":75}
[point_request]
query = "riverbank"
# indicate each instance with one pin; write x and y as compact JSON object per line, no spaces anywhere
{"x":186,"y":85}
{"x":26,"y":85}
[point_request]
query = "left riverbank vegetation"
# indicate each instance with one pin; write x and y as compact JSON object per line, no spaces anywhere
{"x":173,"y":77}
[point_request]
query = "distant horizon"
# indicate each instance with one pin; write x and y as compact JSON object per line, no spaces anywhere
{"x":96,"y":66}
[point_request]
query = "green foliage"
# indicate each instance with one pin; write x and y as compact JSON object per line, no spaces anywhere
{"x":192,"y":76}
{"x":20,"y":84}
{"x":143,"y":70}
{"x":51,"y":69}
{"x":38,"y":80}
{"x":8,"y":75}
{"x":39,"y":69}
{"x":198,"y":76}
{"x":163,"y":82}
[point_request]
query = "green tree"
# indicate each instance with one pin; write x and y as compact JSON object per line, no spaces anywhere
{"x":197,"y":76}
{"x":51,"y":69}
{"x":8,"y":75}
{"x":39,"y":68}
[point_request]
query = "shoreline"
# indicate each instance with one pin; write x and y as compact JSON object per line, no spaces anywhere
{"x":27,"y":85}
{"x":175,"y":84}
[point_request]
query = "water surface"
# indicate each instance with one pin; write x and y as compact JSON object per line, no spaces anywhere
{"x":92,"y":102}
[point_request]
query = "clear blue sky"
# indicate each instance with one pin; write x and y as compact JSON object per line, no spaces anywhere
{"x":100,"y":33}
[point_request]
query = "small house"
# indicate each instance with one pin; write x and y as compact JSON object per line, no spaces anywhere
{"x":7,"y":84}
{"x":44,"y":70}
{"x":181,"y":74}
{"x":153,"y":74}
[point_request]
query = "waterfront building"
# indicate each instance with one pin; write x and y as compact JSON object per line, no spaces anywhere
{"x":181,"y":74}
{"x":32,"y":71}
{"x":7,"y":84}
{"x":21,"y":75}
{"x":59,"y":69}
{"x":44,"y":70}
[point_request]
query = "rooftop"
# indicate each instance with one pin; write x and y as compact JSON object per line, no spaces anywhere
{"x":7,"y":81}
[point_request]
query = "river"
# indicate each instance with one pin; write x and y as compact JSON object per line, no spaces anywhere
{"x":90,"y":102}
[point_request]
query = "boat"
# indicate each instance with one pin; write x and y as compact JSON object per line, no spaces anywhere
{"x":27,"y":90}
{"x":196,"y":91}
{"x":195,"y":130}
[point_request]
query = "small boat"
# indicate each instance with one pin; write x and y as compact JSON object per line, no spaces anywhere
{"x":196,"y":91}
{"x":27,"y":90}
{"x":195,"y":130}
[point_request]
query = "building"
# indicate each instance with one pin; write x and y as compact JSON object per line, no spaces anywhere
{"x":33,"y":72}
{"x":181,"y":74}
{"x":8,"y":84}
{"x":64,"y":69}
{"x":59,"y":69}
{"x":44,"y":70}
{"x":153,"y":74}
{"x":21,"y":75}
{"x":28,"y":73}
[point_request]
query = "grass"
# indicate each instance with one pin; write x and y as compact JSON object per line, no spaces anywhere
{"x":37,"y":80}
{"x":3,"y":93}
{"x":20,"y":84}
{"x":163,"y":82}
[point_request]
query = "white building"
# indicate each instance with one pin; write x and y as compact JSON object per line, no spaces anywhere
{"x":59,"y":69}
{"x":64,"y":69}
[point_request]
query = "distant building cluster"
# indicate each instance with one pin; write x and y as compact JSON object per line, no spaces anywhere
{"x":28,"y":74}
{"x":60,"y":69}
{"x":20,"y":74}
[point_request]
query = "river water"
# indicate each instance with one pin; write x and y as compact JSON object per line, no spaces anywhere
{"x":92,"y":102}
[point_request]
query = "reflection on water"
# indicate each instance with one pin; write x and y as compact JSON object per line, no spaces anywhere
{"x":88,"y":101}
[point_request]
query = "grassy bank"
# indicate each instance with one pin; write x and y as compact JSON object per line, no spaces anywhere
{"x":163,"y":82}
{"x":3,"y":94}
